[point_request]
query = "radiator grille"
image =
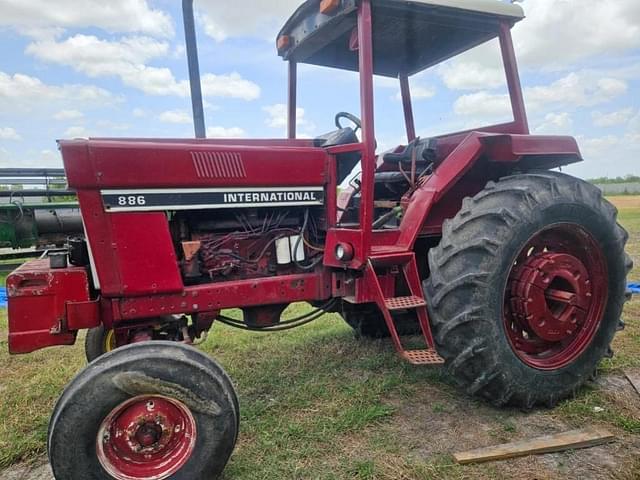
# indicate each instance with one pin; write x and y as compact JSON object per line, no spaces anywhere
{"x":218,"y":165}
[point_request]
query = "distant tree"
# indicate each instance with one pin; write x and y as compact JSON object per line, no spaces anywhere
{"x":607,"y":181}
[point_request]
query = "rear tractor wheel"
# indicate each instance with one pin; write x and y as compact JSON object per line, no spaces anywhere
{"x":148,"y":410}
{"x":527,"y":287}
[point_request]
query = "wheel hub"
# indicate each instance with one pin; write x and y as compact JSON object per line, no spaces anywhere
{"x":146,"y":437}
{"x":550,"y":295}
{"x":555,"y":296}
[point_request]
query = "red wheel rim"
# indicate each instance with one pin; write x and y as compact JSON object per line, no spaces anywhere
{"x":555,"y":296}
{"x":146,"y":437}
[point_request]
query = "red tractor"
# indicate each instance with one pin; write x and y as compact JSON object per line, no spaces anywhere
{"x":513,"y":274}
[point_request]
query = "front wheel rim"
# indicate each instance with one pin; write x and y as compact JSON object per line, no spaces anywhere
{"x":555,"y":296}
{"x":146,"y":437}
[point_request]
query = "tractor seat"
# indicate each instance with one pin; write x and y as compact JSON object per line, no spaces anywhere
{"x":425,"y":153}
{"x":425,"y":156}
{"x":347,"y":161}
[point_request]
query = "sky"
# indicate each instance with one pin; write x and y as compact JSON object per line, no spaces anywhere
{"x":118,"y":68}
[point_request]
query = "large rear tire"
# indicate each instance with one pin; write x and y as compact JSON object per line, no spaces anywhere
{"x":147,"y":410}
{"x":527,"y":287}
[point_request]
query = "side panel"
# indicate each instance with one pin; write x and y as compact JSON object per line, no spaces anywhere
{"x":38,"y":299}
{"x":133,"y":252}
{"x":144,"y":254}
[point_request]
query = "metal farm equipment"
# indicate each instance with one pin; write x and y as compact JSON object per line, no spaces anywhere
{"x":33,"y":216}
{"x":512,"y":274}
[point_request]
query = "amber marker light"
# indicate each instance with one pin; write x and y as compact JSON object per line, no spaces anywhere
{"x":328,"y":6}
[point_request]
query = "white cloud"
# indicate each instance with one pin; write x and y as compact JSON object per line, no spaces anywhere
{"x":68,"y":115}
{"x":555,"y":123}
{"x":612,"y":119}
{"x":41,"y":17}
{"x":610,"y":155}
{"x":277,"y":117}
{"x":577,"y":89}
{"x":565,"y":31}
{"x":471,"y":76}
{"x":418,"y":92}
{"x":127,"y":59}
{"x":175,"y":116}
{"x":555,"y":35}
{"x":223,"y":132}
{"x":227,"y":19}
{"x":230,"y":85}
{"x":138,"y":113}
{"x":8,"y":133}
{"x":22,"y":93}
{"x":76,"y":132}
{"x":483,"y":104}
{"x":477,"y":69}
{"x":31,"y":158}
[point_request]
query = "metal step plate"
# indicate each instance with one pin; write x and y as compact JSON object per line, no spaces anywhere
{"x":402,"y":303}
{"x":423,"y":357}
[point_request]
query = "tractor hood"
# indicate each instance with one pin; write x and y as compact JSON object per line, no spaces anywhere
{"x":99,"y":164}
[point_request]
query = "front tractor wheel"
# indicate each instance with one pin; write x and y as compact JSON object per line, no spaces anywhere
{"x":527,"y":287}
{"x":148,"y":410}
{"x":99,"y":340}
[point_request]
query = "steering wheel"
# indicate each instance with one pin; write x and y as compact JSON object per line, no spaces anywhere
{"x":352,"y":118}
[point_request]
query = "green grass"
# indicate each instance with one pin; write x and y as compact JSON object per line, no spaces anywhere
{"x":318,"y":404}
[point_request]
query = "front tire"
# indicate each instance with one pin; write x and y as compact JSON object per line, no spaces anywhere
{"x":147,"y":410}
{"x":99,"y":340}
{"x":527,"y":287}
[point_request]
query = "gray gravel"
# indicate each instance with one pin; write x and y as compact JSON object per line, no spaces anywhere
{"x":37,"y":471}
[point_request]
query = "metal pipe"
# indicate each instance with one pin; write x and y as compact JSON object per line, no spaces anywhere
{"x":365,"y":41}
{"x":36,"y":193}
{"x":405,"y":92}
{"x":292,"y":102}
{"x":194,"y":68}
{"x":32,"y":172}
{"x":32,"y":181}
{"x":513,"y":79}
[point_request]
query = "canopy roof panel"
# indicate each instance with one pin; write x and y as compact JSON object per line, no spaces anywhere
{"x":408,"y":36}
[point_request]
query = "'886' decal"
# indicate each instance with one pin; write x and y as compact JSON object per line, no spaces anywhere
{"x":131,"y":200}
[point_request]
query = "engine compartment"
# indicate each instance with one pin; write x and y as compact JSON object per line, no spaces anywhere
{"x":222,"y":245}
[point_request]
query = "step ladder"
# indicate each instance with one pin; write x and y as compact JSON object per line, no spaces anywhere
{"x":406,"y":262}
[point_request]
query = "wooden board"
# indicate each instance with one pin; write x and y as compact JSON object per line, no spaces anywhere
{"x":634,"y":379}
{"x":573,"y":439}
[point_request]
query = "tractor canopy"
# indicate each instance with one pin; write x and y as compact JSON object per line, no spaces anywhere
{"x":408,"y":36}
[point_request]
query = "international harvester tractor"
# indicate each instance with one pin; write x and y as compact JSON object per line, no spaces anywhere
{"x":512,"y":273}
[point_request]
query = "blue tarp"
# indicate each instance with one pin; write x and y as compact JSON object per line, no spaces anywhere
{"x":634,"y":287}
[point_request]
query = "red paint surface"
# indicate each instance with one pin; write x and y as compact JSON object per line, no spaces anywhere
{"x":555,"y":297}
{"x":146,"y":437}
{"x":37,"y":299}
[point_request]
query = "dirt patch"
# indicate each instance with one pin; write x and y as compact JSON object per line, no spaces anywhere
{"x":435,"y":425}
{"x":626,"y":201}
{"x":34,"y":471}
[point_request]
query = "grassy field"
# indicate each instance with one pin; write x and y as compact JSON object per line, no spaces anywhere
{"x":318,"y":404}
